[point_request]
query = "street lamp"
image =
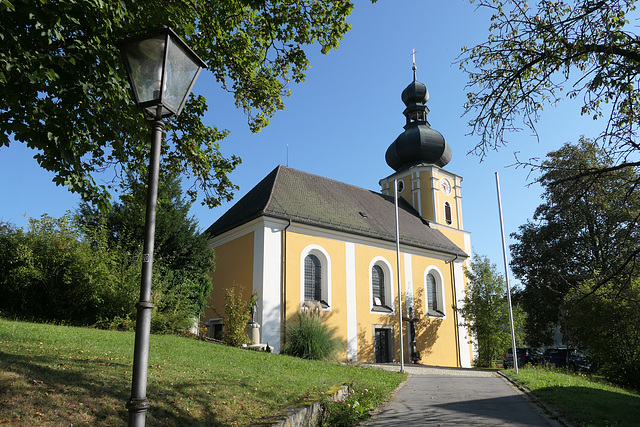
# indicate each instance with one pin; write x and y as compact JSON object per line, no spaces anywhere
{"x":161,"y":69}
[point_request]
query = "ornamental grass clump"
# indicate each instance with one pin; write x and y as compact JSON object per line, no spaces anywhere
{"x":308,"y":337}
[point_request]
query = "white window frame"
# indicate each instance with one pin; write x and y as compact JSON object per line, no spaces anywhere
{"x":388,"y":286}
{"x":325,"y":263}
{"x":437,"y":274}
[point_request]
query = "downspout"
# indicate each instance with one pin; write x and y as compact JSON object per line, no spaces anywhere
{"x":456,"y":330}
{"x":284,"y":285}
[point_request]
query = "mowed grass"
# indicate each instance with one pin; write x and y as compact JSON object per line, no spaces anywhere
{"x":581,"y":399}
{"x":56,"y":375}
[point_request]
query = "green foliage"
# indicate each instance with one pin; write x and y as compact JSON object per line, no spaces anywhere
{"x":237,"y":313}
{"x":584,"y":227}
{"x":607,"y":322}
{"x":52,"y":273}
{"x":486,"y":311}
{"x":308,"y":337}
{"x":351,"y":409}
{"x":579,"y":257}
{"x":64,"y":93}
{"x":182,"y":258}
{"x":86,"y":269}
{"x":538,"y":53}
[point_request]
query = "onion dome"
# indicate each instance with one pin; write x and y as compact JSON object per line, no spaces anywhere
{"x":418,"y":144}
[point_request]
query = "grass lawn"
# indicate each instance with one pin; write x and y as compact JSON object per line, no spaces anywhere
{"x":55,"y":375}
{"x":582,"y":400}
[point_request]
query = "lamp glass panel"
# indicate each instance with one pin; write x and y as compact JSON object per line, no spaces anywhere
{"x":145,"y":60}
{"x":181,"y":70}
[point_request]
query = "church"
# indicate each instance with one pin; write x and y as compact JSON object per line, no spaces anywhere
{"x":301,"y":240}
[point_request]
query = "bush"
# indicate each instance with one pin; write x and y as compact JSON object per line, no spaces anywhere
{"x":237,"y":313}
{"x":308,"y":338}
{"x":354,"y":407}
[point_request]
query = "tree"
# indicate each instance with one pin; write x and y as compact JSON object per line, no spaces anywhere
{"x":607,"y":322}
{"x":182,"y":257}
{"x":63,"y":92}
{"x":583,"y":238}
{"x":539,"y":52}
{"x":52,"y":273}
{"x":486,"y":311}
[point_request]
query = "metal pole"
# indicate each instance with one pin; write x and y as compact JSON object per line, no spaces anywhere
{"x":138,"y":403}
{"x":395,"y":192}
{"x":506,"y":275}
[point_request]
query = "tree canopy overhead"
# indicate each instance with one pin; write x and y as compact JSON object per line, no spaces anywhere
{"x":64,"y":89}
{"x":541,"y":52}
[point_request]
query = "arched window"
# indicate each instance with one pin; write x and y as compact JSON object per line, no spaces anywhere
{"x":315,"y":277}
{"x":377,"y":284}
{"x":432,"y":293}
{"x":447,"y":213}
{"x":312,"y":278}
{"x":435,"y":293}
{"x":381,"y":282}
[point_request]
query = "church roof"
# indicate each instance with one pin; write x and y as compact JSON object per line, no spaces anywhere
{"x":305,"y":198}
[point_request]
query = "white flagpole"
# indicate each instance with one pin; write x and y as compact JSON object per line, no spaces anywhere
{"x":506,"y":275}
{"x":395,"y":193}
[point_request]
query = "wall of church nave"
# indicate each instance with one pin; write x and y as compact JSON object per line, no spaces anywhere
{"x":331,"y":254}
{"x":234,"y":265}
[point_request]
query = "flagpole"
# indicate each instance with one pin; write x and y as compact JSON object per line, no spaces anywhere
{"x":395,"y":193}
{"x":506,"y":275}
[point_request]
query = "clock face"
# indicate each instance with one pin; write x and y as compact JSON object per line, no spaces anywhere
{"x":445,"y":185}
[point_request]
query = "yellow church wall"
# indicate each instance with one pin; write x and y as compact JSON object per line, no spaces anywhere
{"x":437,"y":338}
{"x":336,"y":316}
{"x":234,"y":265}
{"x":364,"y":256}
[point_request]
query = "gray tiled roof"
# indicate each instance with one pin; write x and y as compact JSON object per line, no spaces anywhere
{"x":301,"y":197}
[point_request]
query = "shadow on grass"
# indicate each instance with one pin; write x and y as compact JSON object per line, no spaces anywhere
{"x":592,"y":406}
{"x":70,"y":391}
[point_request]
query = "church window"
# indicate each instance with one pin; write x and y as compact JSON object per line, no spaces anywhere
{"x":315,"y":277}
{"x":435,"y":297}
{"x":312,"y":278}
{"x":447,"y":213}
{"x":381,"y":293}
{"x":377,"y":282}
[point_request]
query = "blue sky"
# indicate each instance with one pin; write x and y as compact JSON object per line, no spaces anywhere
{"x":340,"y":121}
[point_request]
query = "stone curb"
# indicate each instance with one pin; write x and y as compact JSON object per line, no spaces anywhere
{"x":300,"y":416}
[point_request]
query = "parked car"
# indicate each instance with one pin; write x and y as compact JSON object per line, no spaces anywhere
{"x":525,"y":355}
{"x":570,"y":358}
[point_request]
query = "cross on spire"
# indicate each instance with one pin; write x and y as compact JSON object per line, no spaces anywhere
{"x":414,"y":68}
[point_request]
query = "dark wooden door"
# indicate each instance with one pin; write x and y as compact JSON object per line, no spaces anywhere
{"x":381,"y":346}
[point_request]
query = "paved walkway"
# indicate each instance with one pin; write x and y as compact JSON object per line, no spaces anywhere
{"x":457,"y":397}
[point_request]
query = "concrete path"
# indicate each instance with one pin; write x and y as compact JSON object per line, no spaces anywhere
{"x":457,"y":397}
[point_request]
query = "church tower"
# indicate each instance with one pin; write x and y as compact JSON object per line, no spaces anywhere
{"x":418,"y":156}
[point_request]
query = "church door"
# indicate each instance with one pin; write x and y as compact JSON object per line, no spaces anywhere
{"x":381,"y":345}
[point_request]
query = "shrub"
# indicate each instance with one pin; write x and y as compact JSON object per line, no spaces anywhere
{"x":237,"y":312}
{"x":354,"y":407}
{"x":308,"y":338}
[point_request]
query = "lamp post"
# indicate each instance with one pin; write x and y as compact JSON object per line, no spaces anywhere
{"x":161,"y":69}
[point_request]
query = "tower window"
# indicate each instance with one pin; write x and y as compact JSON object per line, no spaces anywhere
{"x":447,"y":213}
